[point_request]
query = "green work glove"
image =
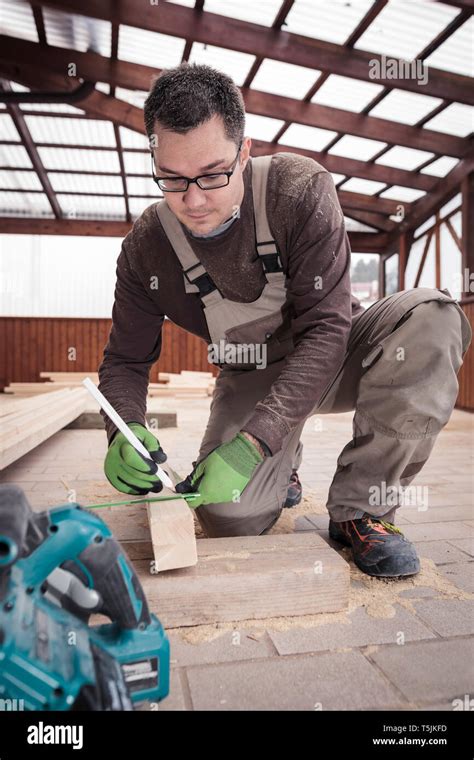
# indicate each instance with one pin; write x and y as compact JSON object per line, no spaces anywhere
{"x":127,"y":470}
{"x":223,"y":474}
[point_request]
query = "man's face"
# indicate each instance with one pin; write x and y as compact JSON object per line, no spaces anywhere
{"x":203,"y":150}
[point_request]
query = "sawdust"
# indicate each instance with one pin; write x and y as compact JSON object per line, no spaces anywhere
{"x":310,"y":504}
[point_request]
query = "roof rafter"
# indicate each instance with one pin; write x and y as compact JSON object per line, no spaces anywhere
{"x":136,"y":76}
{"x":242,"y":36}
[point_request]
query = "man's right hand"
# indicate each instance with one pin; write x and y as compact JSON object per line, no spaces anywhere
{"x":127,"y":470}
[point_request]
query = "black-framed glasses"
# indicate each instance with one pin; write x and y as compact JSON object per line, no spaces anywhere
{"x":204,"y":181}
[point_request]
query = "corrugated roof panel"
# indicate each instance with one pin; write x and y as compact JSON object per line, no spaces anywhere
{"x":187,"y":3}
{"x":142,"y":186}
{"x":456,"y":54}
{"x":69,"y":30}
{"x":404,"y":28}
{"x":450,"y":205}
{"x":85,"y":183}
{"x":284,"y":79}
{"x":302,"y":136}
{"x":366,"y":186}
{"x":353,"y":225}
{"x":404,"y":158}
{"x":425,"y":226}
{"x":131,"y":139}
{"x":398,"y":193}
{"x":8,"y":130}
{"x":346,"y":93}
{"x":234,"y":64}
{"x":261,"y":127}
{"x":50,"y":108}
{"x":405,"y":107}
{"x":333,"y":21}
{"x":137,"y":163}
{"x":14,"y":155}
{"x":264,"y":12}
{"x":413,"y":262}
{"x":17,"y":20}
{"x":91,"y":207}
{"x":135,"y":97}
{"x":357,"y":147}
{"x":456,"y":119}
{"x":83,"y":160}
{"x":441,"y":167}
{"x":150,"y":48}
{"x":24,"y":204}
{"x":19,"y":180}
{"x":138,"y":205}
{"x":47,"y":129}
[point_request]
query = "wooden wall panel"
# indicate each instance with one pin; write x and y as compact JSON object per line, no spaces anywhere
{"x":29,"y":346}
{"x":466,"y":373}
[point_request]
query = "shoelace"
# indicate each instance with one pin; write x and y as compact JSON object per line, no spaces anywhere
{"x":391,"y":527}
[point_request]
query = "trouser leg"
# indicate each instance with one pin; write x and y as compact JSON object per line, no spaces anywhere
{"x":406,"y":390}
{"x":400,"y":405}
{"x":234,"y":400}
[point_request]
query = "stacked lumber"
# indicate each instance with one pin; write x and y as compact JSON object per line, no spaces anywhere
{"x":32,"y":421}
{"x":186,"y":384}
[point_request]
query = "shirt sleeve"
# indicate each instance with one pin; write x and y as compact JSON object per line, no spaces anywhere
{"x":319,"y":293}
{"x":134,"y":344}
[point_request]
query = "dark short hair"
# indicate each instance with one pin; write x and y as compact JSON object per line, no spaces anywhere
{"x":189,"y":95}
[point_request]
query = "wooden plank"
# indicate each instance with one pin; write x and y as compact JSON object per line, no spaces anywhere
{"x":249,"y":578}
{"x":18,"y":438}
{"x":69,"y":376}
{"x":172,"y":530}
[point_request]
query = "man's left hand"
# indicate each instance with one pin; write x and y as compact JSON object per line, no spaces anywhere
{"x":224,"y":473}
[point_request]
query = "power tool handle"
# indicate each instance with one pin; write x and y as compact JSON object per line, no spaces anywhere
{"x":114,"y":578}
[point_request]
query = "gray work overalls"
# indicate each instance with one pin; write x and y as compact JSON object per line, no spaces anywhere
{"x":398,"y":412}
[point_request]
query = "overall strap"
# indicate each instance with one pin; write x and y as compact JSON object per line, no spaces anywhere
{"x":267,"y":247}
{"x":196,"y":278}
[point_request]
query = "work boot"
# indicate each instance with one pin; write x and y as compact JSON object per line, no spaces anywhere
{"x":295,"y":491}
{"x":378,"y":547}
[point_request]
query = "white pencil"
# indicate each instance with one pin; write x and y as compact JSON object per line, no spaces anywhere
{"x":123,"y":427}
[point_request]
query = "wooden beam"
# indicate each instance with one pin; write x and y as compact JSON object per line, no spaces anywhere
{"x":378,"y":221}
{"x":351,"y":167}
{"x":127,"y":75}
{"x":368,"y":202}
{"x":248,"y":578}
{"x":467,"y":5}
{"x":361,"y":241}
{"x":172,"y":530}
{"x":30,"y":147}
{"x":406,"y":240}
{"x":82,"y":227}
{"x":453,"y":233}
{"x":421,"y":210}
{"x":39,"y":23}
{"x":437,"y":234}
{"x":23,"y":431}
{"x":277,"y":24}
{"x":244,"y":37}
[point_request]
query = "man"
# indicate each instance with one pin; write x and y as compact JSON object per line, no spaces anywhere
{"x":252,"y":255}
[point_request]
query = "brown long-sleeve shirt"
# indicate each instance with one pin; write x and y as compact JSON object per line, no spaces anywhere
{"x":306,"y":220}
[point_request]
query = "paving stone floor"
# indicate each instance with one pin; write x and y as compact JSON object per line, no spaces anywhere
{"x":402,"y":644}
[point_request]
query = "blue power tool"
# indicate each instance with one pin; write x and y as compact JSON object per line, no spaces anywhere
{"x":58,"y":567}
